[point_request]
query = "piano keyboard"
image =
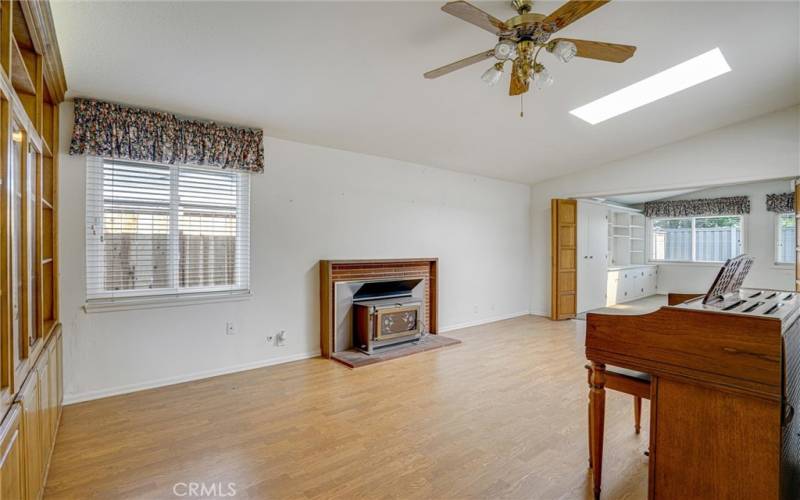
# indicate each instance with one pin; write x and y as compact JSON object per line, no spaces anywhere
{"x":781,"y":305}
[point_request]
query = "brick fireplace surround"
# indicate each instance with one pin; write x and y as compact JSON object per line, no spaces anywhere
{"x":333,"y":271}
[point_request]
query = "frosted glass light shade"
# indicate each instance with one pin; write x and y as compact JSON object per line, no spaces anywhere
{"x":505,"y":50}
{"x":492,"y":75}
{"x":542,"y":79}
{"x":565,"y":50}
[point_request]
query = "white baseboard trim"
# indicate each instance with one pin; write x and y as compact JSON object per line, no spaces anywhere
{"x":484,"y":321}
{"x":545,"y":314}
{"x":81,"y":397}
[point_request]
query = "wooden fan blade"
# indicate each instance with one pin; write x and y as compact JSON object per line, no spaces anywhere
{"x":476,"y":16}
{"x":570,"y":12}
{"x":612,"y":52}
{"x":518,"y":86}
{"x":436,"y":73}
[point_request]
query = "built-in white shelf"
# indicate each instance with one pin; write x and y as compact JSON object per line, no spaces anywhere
{"x":625,"y":237}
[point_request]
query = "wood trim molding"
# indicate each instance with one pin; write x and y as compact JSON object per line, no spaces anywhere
{"x":39,"y":18}
{"x":380,"y":261}
{"x":325,"y":309}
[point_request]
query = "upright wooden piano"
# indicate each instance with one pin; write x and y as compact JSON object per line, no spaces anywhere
{"x":725,"y":383}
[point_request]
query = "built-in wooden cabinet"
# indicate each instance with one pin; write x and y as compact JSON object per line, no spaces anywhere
{"x":39,"y":402}
{"x":12,"y":461}
{"x":31,"y":414}
{"x":31,"y":389}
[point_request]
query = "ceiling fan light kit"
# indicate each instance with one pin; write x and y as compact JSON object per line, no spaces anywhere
{"x":492,"y":75}
{"x":522,"y":37}
{"x":541,"y":77}
{"x":564,"y":50}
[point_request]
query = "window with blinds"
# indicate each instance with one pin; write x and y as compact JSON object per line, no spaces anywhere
{"x":156,"y":230}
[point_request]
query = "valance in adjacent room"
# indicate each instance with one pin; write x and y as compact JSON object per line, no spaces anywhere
{"x":116,"y":131}
{"x":780,"y":203}
{"x":733,"y":205}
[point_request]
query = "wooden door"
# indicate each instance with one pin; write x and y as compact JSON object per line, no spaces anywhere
{"x":30,"y":400}
{"x":59,"y":374}
{"x":45,"y":430}
{"x":52,"y":395}
{"x":11,"y":486}
{"x":564,"y":222}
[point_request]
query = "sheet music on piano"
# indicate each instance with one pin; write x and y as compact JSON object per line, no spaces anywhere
{"x":729,"y":280}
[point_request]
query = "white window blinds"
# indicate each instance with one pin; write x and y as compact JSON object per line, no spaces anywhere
{"x":155,"y":230}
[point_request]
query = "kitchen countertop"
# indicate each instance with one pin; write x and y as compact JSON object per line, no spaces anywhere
{"x":630,"y":266}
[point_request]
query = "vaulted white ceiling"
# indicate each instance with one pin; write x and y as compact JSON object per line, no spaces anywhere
{"x":349,"y":75}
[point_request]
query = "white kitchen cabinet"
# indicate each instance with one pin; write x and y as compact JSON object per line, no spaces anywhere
{"x":626,"y":283}
{"x":611,"y":256}
{"x":592,"y":255}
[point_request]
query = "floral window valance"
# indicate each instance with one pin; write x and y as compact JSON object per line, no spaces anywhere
{"x":734,"y":205}
{"x":116,"y":131}
{"x":781,"y":203}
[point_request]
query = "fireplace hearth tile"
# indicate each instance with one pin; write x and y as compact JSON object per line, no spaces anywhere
{"x":356,"y":359}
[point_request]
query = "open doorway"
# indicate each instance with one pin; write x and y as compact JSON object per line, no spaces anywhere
{"x":632,"y":248}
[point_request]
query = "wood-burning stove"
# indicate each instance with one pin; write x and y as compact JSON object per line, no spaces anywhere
{"x":385,"y":313}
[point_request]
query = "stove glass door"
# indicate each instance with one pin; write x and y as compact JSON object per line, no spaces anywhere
{"x":397,"y":322}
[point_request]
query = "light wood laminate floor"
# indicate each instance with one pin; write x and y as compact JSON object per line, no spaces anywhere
{"x":502,"y":415}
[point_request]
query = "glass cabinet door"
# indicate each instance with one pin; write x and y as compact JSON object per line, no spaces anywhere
{"x":15,"y":205}
{"x":32,"y":258}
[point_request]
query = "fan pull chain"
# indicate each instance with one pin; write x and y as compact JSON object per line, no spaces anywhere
{"x":521,"y":106}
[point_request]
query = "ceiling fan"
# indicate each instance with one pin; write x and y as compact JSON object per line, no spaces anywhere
{"x":521,"y":38}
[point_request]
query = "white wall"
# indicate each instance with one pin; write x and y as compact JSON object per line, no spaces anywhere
{"x":759,"y":240}
{"x":766,"y":147}
{"x":312,"y":203}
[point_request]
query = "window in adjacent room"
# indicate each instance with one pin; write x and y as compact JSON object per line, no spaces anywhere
{"x":785,"y":230}
{"x":696,"y":239}
{"x":156,"y":230}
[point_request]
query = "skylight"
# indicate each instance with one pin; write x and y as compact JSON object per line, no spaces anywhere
{"x":670,"y":81}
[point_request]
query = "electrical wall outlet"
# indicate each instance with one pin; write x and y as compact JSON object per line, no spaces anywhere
{"x":230,"y":328}
{"x":281,"y":338}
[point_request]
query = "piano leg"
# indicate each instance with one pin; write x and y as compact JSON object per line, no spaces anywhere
{"x":637,"y":413}
{"x":589,"y":407}
{"x":597,"y":411}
